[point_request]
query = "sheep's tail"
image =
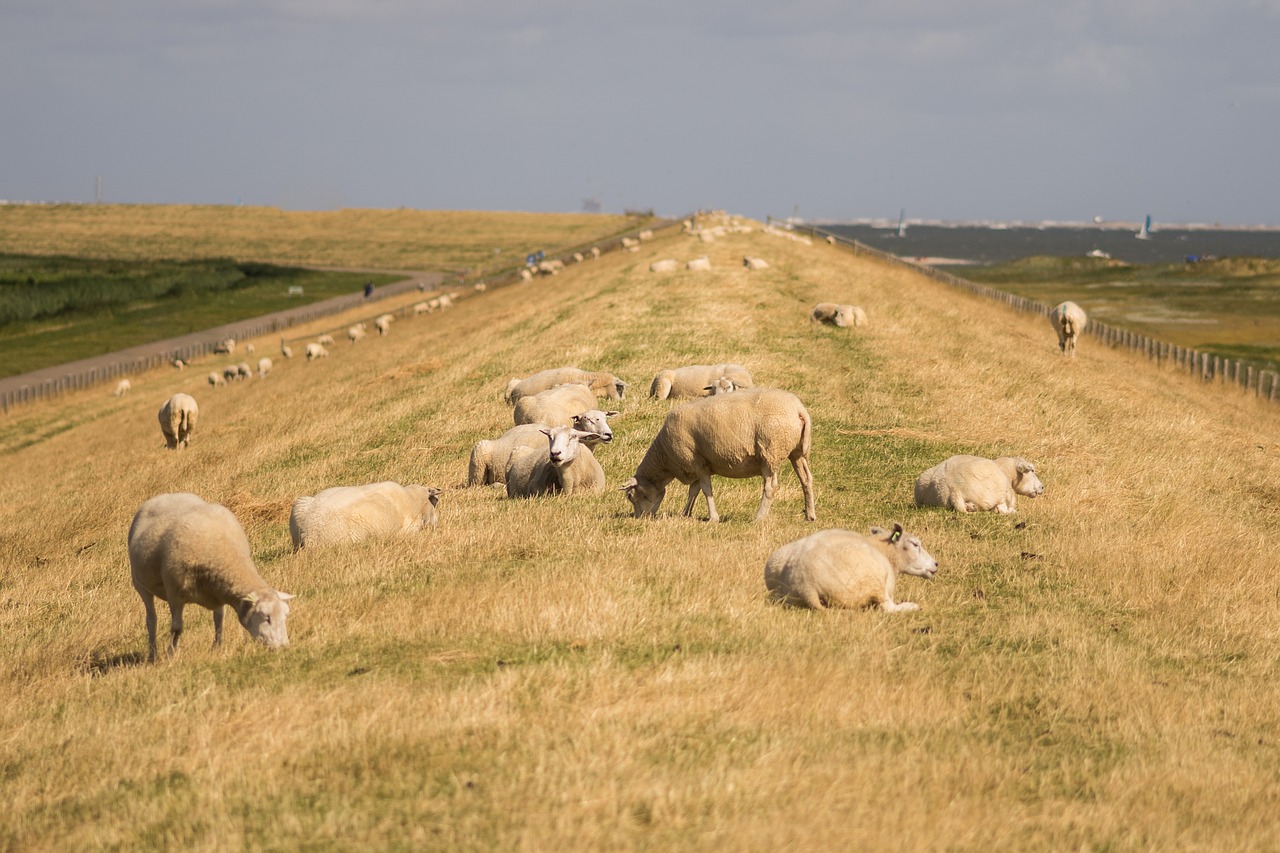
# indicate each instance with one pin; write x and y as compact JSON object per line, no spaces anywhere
{"x":477,"y":464}
{"x":511,"y":386}
{"x":806,"y":431}
{"x":661,"y":387}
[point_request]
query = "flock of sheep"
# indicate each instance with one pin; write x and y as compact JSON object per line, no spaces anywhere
{"x":186,"y":551}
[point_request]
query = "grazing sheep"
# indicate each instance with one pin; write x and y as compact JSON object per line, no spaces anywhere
{"x":285,"y":350}
{"x":446,"y":300}
{"x":595,"y":252}
{"x":554,"y":407}
{"x":550,"y":267}
{"x":264,"y":367}
{"x":646,"y":234}
{"x":838,"y":315}
{"x":700,"y":264}
{"x":420,"y":308}
{"x":755,"y":263}
{"x":244,"y":371}
{"x":562,"y":464}
{"x":578,"y":257}
{"x":664,"y":265}
{"x":356,"y":332}
{"x":349,"y":514}
{"x":177,"y":420}
{"x":325,"y":340}
{"x":315,"y":351}
{"x":831,"y":239}
{"x":630,"y":243}
{"x":179,"y":364}
{"x":745,"y":434}
{"x":122,"y":388}
{"x":249,"y":349}
{"x":383,"y":324}
{"x":489,"y":458}
{"x":841,"y":568}
{"x":480,"y":287}
{"x":526,"y":275}
{"x":692,"y":381}
{"x":1068,"y":320}
{"x":183,"y":550}
{"x":231,"y":373}
{"x":974,"y":484}
{"x":601,"y":383}
{"x":225,"y":347}
{"x":216,"y":379}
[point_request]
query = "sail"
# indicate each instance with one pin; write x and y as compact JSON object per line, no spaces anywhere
{"x":1145,"y":233}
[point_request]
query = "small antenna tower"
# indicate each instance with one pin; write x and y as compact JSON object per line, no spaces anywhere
{"x":98,"y":193}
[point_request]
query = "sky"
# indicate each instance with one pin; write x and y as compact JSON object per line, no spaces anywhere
{"x":829,"y":109}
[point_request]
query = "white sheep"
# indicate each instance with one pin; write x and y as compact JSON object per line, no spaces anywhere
{"x":723,"y":385}
{"x":446,"y":300}
{"x":700,"y":264}
{"x":562,"y":464}
{"x":664,"y":265}
{"x":1068,"y":320}
{"x":325,"y":340}
{"x":316,"y":350}
{"x":285,"y":350}
{"x":249,"y":349}
{"x":646,"y":234}
{"x":841,"y":568}
{"x":838,"y":315}
{"x":745,"y":434}
{"x":630,"y":243}
{"x":383,"y":324}
{"x":216,"y":379}
{"x":578,"y":257}
{"x":480,"y":287}
{"x":601,"y":383}
{"x":356,"y":332}
{"x":420,"y":308}
{"x":831,"y":239}
{"x":595,"y":252}
{"x":556,"y":406}
{"x":122,"y":388}
{"x":264,"y":367}
{"x":244,"y":371}
{"x":975,"y":484}
{"x":183,"y":550}
{"x":755,"y":263}
{"x":349,"y":514}
{"x":489,"y":457}
{"x":227,"y":346}
{"x":179,"y":364}
{"x":231,"y":373}
{"x":550,"y":267}
{"x":693,"y":380}
{"x":177,"y":420}
{"x":526,"y":274}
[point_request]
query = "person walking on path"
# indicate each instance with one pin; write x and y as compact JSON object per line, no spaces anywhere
{"x":368,"y":289}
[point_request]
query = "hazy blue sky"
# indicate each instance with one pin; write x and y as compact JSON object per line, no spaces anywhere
{"x":999,"y":109}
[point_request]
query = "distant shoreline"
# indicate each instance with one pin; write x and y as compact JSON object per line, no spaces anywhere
{"x":1008,"y":224}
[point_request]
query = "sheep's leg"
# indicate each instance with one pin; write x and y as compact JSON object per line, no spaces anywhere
{"x":769,"y":487}
{"x":705,"y":481}
{"x":959,"y":504}
{"x":901,"y":607}
{"x":175,"y":625}
{"x":149,"y":604}
{"x":801,"y":466}
{"x":694,"y":488}
{"x":217,"y":625}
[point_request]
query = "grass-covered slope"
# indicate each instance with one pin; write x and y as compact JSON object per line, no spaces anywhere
{"x":1098,"y":670}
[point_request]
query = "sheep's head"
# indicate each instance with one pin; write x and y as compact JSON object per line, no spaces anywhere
{"x":263,"y":615}
{"x":429,"y":500}
{"x":617,"y":390}
{"x":595,"y":421}
{"x":645,"y":497}
{"x":842,"y":317}
{"x":564,"y":443}
{"x":723,"y":385}
{"x":909,"y":554}
{"x":1027,"y":483}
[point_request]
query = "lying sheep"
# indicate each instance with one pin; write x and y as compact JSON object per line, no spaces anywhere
{"x":723,"y":385}
{"x":602,"y":383}
{"x":692,"y":381}
{"x":974,"y":484}
{"x":745,"y":434}
{"x":244,"y":371}
{"x":554,"y":407}
{"x":264,"y":367}
{"x":838,"y":315}
{"x":831,"y":239}
{"x":564,"y":464}
{"x":383,"y":324}
{"x":356,"y":332}
{"x":755,"y":263}
{"x":349,"y":514}
{"x":183,"y":550}
{"x":177,"y":420}
{"x":122,"y":388}
{"x":700,"y":264}
{"x":325,"y":340}
{"x":841,"y":568}
{"x":489,"y":457}
{"x":216,"y":379}
{"x":315,"y":351}
{"x":664,"y":265}
{"x":1068,"y":320}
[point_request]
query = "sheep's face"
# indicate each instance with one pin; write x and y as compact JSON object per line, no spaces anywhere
{"x":912,"y":558}
{"x":430,"y":500}
{"x":645,"y":497}
{"x":595,"y":422}
{"x":1027,"y":484}
{"x":263,"y":615}
{"x":723,"y":385}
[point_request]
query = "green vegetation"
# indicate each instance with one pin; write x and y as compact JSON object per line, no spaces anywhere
{"x":1228,"y":307}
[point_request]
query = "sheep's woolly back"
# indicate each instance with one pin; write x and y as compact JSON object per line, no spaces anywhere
{"x":555,"y":406}
{"x":348,"y":514}
{"x":831,"y":568}
{"x":692,"y":381}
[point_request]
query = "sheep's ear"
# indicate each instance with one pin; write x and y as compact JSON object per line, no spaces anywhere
{"x":612,"y":414}
{"x":877,"y":531}
{"x":545,"y":432}
{"x":252,"y":598}
{"x":897,"y":532}
{"x":628,"y":486}
{"x":286,"y":596}
{"x":433,"y":495}
{"x":709,"y":388}
{"x":1025,"y":467}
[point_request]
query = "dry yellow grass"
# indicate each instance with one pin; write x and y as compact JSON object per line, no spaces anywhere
{"x":554,"y":674}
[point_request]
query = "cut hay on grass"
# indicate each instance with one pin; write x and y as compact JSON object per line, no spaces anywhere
{"x":1097,"y":671}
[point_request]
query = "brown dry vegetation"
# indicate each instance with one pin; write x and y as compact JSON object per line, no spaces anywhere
{"x":552,"y":673}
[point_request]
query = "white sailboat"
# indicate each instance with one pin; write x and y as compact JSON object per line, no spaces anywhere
{"x":902,"y":223}
{"x":1145,"y":233}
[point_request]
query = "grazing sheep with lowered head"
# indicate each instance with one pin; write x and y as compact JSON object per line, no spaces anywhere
{"x":316,"y":350}
{"x":183,"y":551}
{"x":177,"y":420}
{"x":745,"y":434}
{"x":692,"y":381}
{"x":122,"y":388}
{"x":264,"y":367}
{"x":975,"y":484}
{"x":838,"y":315}
{"x":841,"y":568}
{"x":383,"y":324}
{"x":325,"y":340}
{"x":216,"y":379}
{"x":349,"y":514}
{"x":1068,"y":320}
{"x":356,"y":332}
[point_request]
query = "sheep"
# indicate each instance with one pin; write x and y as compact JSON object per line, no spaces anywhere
{"x":488,"y":462}
{"x":561,"y":464}
{"x":350,"y":514}
{"x":595,"y":252}
{"x":554,"y":407}
{"x":838,"y":315}
{"x":315,"y":351}
{"x":601,"y":383}
{"x":177,"y":420}
{"x":231,"y":373}
{"x":325,"y":340}
{"x":550,"y":267}
{"x":446,"y":300}
{"x":356,"y":332}
{"x":664,"y":265}
{"x":480,"y":287}
{"x":526,"y":275}
{"x":737,"y":435}
{"x":285,"y":350}
{"x":122,"y":388}
{"x":831,"y":240}
{"x":421,"y":308}
{"x":578,"y":257}
{"x":1068,"y":320}
{"x":700,"y":264}
{"x":630,"y":243}
{"x":216,"y":379}
{"x":249,"y":349}
{"x":723,"y":385}
{"x":974,"y":484}
{"x":646,"y":234}
{"x":227,"y":346}
{"x":244,"y":371}
{"x":692,"y":381}
{"x":179,"y":364}
{"x":264,"y":367}
{"x":755,"y":263}
{"x":183,"y":550}
{"x":841,"y":568}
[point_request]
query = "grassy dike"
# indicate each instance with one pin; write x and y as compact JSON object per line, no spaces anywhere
{"x":1097,"y":671}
